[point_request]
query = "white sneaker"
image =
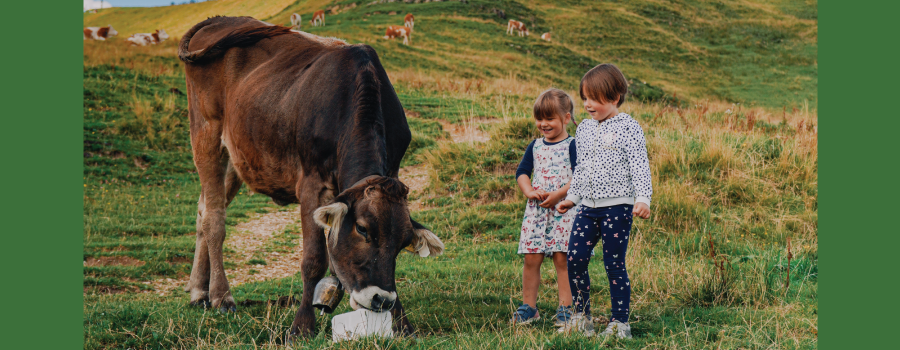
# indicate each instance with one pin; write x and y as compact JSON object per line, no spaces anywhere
{"x":579,"y":322}
{"x":621,"y":330}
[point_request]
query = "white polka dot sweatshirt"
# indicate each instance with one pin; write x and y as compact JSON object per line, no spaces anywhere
{"x":612,"y":165}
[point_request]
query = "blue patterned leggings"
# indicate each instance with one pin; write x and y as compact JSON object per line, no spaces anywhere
{"x":613,"y":226}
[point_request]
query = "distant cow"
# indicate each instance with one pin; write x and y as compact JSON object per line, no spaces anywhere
{"x":144,"y":39}
{"x":399,"y":31}
{"x":516,"y":25}
{"x":295,"y":20}
{"x":409,"y":21}
{"x":545,"y":36}
{"x":99,"y":33}
{"x":307,"y":123}
{"x":318,"y":18}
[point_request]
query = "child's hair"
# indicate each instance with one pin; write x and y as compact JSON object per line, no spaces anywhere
{"x":553,"y":103}
{"x":604,"y":83}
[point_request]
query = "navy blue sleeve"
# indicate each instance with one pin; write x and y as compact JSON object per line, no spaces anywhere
{"x":573,"y":155}
{"x":526,"y":166}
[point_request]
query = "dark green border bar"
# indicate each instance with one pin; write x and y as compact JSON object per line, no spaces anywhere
{"x":40,"y":137}
{"x":859,"y":116}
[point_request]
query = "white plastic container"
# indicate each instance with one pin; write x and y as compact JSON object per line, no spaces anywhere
{"x":361,"y":323}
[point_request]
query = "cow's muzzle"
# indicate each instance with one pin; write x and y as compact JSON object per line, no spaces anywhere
{"x":373,"y":298}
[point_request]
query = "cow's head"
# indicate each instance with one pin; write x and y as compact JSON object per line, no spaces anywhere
{"x":112,"y":32}
{"x":366,"y":227}
{"x":161,"y":33}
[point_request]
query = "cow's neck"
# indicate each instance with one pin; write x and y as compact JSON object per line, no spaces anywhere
{"x":364,"y":154}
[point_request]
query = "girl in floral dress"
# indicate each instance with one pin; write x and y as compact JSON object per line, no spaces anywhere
{"x":545,"y":232}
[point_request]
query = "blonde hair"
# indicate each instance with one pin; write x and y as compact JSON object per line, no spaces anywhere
{"x":552,"y":103}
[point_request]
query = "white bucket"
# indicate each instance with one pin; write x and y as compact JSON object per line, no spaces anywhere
{"x":361,"y":323}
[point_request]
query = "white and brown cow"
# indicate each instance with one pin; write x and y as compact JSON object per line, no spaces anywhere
{"x":516,"y":25}
{"x":295,"y":20}
{"x":409,"y":20}
{"x":399,"y":31}
{"x":99,"y":33}
{"x":545,"y":36}
{"x":318,"y":18}
{"x":144,"y":39}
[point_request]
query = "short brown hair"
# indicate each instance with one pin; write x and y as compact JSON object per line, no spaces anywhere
{"x":553,"y":102}
{"x":604,"y":83}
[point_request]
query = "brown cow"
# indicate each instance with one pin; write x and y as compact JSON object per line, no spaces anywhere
{"x":519,"y":26}
{"x":99,"y":33}
{"x":399,"y":31}
{"x":409,"y":21}
{"x":301,"y":122}
{"x":318,"y":18}
{"x":545,"y":36}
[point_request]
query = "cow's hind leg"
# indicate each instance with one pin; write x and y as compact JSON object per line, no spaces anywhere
{"x":211,"y":159}
{"x":198,"y":286}
{"x":315,"y":258}
{"x":200,"y":273}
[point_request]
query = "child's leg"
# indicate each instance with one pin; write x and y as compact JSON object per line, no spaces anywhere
{"x":562,"y":278}
{"x":582,"y":241}
{"x":615,"y":230}
{"x":531,"y":278}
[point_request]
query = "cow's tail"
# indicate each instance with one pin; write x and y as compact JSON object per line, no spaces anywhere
{"x":237,"y":38}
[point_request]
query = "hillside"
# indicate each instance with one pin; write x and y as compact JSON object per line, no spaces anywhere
{"x":756,"y":52}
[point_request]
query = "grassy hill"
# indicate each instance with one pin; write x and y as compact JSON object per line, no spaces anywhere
{"x":729,"y":258}
{"x":755,"y":52}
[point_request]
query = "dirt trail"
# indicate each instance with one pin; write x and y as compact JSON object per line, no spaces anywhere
{"x":245,"y":239}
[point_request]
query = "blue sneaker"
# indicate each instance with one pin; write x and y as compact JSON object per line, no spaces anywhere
{"x":525,"y":315}
{"x":563,"y":314}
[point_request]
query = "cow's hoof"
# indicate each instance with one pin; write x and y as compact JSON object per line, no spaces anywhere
{"x":204,"y":303}
{"x":227,"y":308}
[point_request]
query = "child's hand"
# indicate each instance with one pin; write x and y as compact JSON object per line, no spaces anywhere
{"x":564,"y":206}
{"x":538,"y":195}
{"x":553,"y":198}
{"x":641,"y":210}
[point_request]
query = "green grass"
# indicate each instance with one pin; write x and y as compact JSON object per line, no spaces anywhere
{"x":739,"y":178}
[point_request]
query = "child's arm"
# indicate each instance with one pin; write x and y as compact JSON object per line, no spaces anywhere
{"x":556,"y":196}
{"x":639,"y":166}
{"x":523,"y":173}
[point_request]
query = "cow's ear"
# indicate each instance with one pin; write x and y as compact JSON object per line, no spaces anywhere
{"x":424,"y":241}
{"x":329,"y":218}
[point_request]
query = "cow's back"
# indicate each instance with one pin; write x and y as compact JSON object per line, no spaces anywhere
{"x":290,"y":103}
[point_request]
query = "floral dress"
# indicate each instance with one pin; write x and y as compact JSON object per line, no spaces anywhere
{"x":545,"y":230}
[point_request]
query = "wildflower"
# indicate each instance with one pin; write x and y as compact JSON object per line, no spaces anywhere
{"x":728,"y":111}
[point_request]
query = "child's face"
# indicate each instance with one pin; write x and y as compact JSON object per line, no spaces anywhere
{"x":600,"y":110}
{"x":554,"y":128}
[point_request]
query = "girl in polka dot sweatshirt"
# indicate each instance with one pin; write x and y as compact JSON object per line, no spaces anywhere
{"x":612,"y":183}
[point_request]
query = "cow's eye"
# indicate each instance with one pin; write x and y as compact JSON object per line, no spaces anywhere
{"x":361,"y":230}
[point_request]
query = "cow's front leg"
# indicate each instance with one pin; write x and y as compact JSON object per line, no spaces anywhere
{"x":314,"y":265}
{"x":401,"y":323}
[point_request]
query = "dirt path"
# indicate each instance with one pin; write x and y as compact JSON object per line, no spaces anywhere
{"x":245,"y":240}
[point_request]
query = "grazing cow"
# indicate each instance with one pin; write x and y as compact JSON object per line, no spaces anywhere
{"x":513,"y":24}
{"x":409,"y":20}
{"x":399,"y":31}
{"x":545,"y":36}
{"x":308,"y":123}
{"x":99,"y":33}
{"x":295,"y":20}
{"x":144,"y":39}
{"x":318,"y":18}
